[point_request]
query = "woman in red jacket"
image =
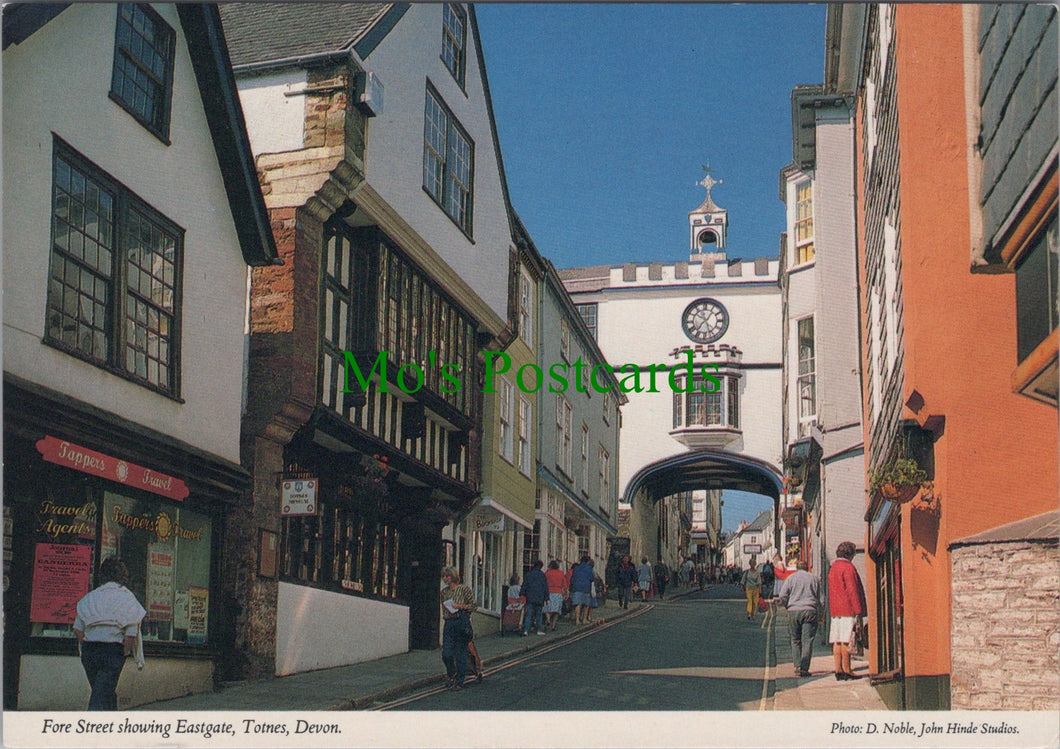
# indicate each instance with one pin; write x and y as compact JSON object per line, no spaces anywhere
{"x":846,"y":604}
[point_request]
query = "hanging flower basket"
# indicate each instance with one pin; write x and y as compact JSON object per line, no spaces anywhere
{"x":898,"y":481}
{"x":898,"y":493}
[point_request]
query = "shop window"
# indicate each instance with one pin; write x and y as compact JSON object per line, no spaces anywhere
{"x":167,"y":550}
{"x":486,"y":570}
{"x":166,"y":547}
{"x":344,"y":547}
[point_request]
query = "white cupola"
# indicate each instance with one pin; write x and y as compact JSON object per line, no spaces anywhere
{"x":707,"y":225}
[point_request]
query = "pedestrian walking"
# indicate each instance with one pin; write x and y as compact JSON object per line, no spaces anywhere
{"x":581,"y":584}
{"x":597,"y":592}
{"x":535,"y":591}
{"x":800,"y":594}
{"x":457,"y":604}
{"x":768,"y":578}
{"x":625,"y":576}
{"x":751,"y":582}
{"x":107,"y":627}
{"x":557,"y":591}
{"x":846,"y":607}
{"x":687,"y":570}
{"x":662,"y":577}
{"x":644,"y":577}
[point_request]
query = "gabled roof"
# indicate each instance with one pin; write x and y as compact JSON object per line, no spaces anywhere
{"x":270,"y":34}
{"x":217,"y":87}
{"x":760,"y":523}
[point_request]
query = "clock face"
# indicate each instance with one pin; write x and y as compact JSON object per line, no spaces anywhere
{"x":705,"y":321}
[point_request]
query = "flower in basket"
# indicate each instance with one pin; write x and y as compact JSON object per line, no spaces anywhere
{"x":375,"y":467}
{"x":899,"y":480}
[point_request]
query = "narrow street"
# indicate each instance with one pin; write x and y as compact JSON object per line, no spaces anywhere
{"x":698,"y":652}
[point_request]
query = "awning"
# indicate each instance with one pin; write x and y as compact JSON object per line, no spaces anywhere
{"x":491,"y":516}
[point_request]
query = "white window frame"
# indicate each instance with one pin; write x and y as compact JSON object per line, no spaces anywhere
{"x":804,"y":243}
{"x":806,"y":376}
{"x":585,"y":457}
{"x":564,"y":339}
{"x":506,"y":445}
{"x":525,"y":420}
{"x":605,"y":476}
{"x":526,"y":308}
{"x":564,"y":421}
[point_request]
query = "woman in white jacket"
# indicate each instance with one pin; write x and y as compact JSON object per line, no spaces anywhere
{"x":108,"y":630}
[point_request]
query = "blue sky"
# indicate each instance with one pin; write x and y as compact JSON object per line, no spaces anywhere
{"x":606,"y":113}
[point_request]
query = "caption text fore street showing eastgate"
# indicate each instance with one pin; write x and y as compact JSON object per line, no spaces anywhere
{"x":182,"y":726}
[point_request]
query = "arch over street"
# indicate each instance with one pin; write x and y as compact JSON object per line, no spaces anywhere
{"x":706,"y":469}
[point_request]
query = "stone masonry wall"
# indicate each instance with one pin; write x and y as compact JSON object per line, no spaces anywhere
{"x":1005,"y":630}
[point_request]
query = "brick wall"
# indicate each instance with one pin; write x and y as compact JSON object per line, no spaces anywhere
{"x":1005,"y":628}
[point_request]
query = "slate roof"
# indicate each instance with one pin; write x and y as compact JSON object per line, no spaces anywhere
{"x":267,"y":32}
{"x":1044,"y":527}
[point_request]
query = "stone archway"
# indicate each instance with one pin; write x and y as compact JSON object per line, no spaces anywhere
{"x":705,"y":469}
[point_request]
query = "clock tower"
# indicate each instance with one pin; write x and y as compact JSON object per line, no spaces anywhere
{"x":707,"y":225}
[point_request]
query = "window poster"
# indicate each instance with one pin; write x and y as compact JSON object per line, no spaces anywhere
{"x":61,"y":577}
{"x":198,"y":610}
{"x":180,"y":610}
{"x":159,"y":582}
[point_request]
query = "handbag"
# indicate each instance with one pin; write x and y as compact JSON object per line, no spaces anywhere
{"x":861,"y":637}
{"x":466,"y":629}
{"x":763,"y":605}
{"x":635,"y":587}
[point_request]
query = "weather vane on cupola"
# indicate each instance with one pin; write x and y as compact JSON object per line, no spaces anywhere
{"x":708,"y":181}
{"x":709,"y":223}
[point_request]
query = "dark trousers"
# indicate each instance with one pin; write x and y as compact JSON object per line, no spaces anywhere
{"x":660,"y":587}
{"x":533,"y":617}
{"x":103,"y":662}
{"x":802,"y":625}
{"x":454,"y":650}
{"x":624,"y":593}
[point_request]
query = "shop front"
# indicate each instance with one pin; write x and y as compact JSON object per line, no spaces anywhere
{"x":493,"y":541}
{"x":81,"y":486}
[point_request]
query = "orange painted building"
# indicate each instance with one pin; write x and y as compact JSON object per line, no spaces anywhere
{"x":939,"y":336}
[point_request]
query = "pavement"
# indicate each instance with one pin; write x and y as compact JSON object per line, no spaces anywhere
{"x":363,"y":685}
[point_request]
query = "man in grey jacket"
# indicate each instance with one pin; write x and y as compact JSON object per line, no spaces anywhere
{"x":801,"y":596}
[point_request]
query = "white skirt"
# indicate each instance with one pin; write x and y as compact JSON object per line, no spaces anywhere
{"x":554,"y":605}
{"x":841,"y":630}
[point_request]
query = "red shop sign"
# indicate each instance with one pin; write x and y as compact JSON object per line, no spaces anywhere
{"x":79,"y":458}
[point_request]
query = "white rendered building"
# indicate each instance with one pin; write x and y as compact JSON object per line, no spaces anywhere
{"x":715,"y":314}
